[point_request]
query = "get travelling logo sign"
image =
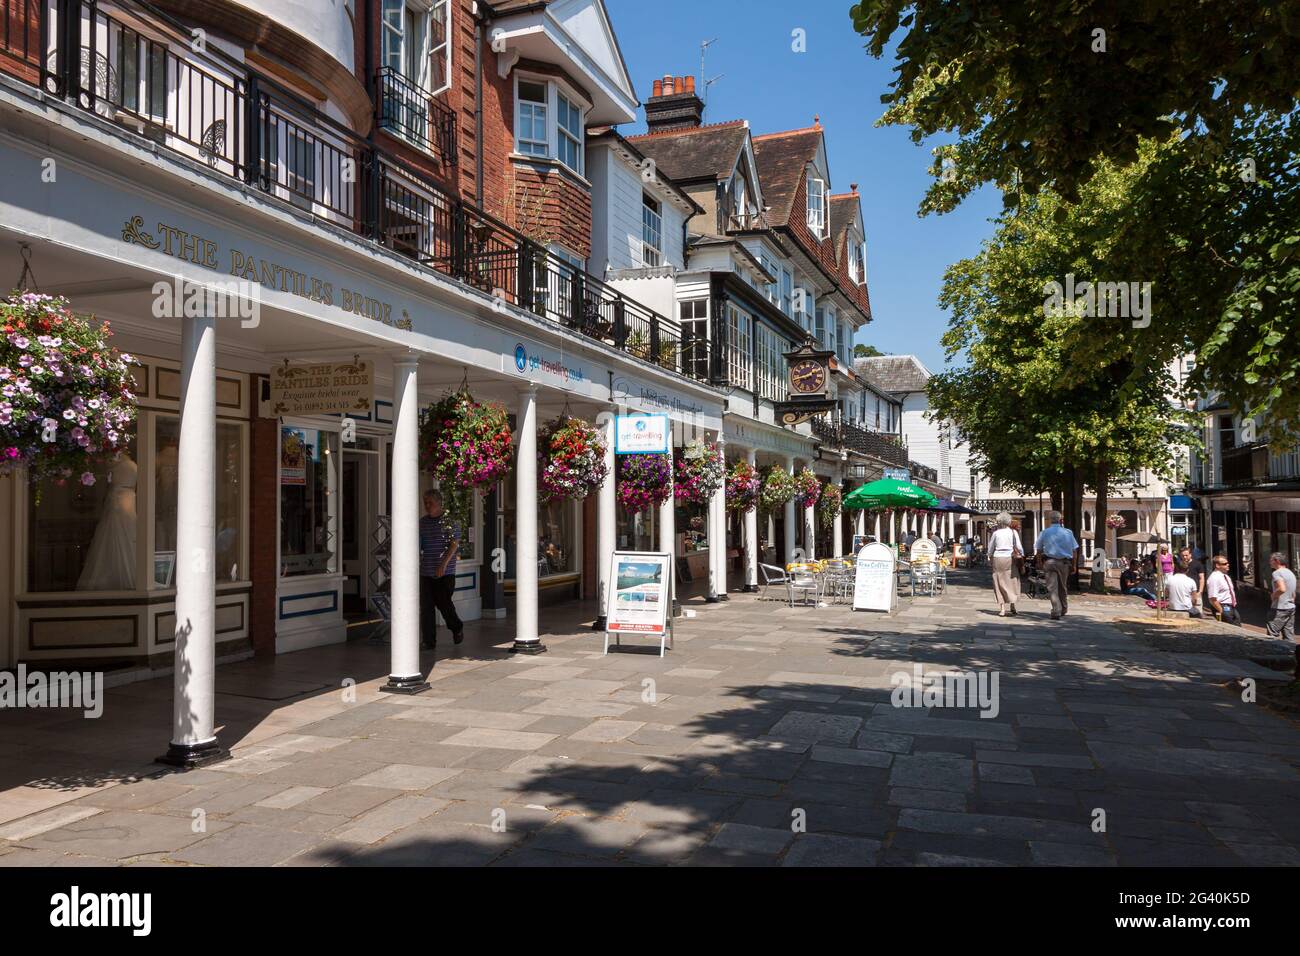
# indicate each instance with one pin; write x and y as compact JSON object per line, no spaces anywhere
{"x":640,"y":434}
{"x":525,"y":363}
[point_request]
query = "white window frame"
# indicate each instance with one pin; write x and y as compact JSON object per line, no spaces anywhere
{"x":739,"y":354}
{"x":818,"y":203}
{"x":787,"y":291}
{"x":527,"y":147}
{"x":652,"y":231}
{"x":557,"y":94}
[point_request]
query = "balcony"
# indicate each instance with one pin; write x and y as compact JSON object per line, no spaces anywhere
{"x":746,"y":221}
{"x":408,"y":111}
{"x":241,"y":124}
{"x":845,"y":435}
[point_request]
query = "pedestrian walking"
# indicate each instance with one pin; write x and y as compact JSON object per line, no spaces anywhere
{"x":1055,"y":548}
{"x":1221,"y":593}
{"x":1281,"y":612}
{"x":439,"y":542}
{"x":1004,"y":548}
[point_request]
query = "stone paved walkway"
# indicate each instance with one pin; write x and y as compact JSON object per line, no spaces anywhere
{"x":767,"y":736}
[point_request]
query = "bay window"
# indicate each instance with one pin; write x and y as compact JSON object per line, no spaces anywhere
{"x":694,"y":317}
{"x":738,"y":348}
{"x":549,"y":122}
{"x":787,"y":291}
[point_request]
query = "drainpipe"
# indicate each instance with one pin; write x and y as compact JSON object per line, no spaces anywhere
{"x":478,"y":107}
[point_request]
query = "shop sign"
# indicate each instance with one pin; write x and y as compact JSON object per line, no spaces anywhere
{"x":536,"y":361}
{"x":922,"y":551}
{"x":641,"y":434}
{"x":641,"y":595}
{"x":874,"y":584}
{"x":898,"y":474}
{"x":1178,"y":529}
{"x":329,"y":388}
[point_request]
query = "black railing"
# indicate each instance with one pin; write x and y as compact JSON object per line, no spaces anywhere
{"x":843,"y":434}
{"x":20,"y":32}
{"x":407,"y":110}
{"x":214,"y":109}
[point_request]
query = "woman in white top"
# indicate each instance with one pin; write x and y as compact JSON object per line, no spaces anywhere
{"x":1004,"y":549}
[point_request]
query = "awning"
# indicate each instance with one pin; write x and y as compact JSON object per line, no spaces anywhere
{"x":1181,"y":503}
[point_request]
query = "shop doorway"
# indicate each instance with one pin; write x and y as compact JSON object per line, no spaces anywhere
{"x":360,"y":509}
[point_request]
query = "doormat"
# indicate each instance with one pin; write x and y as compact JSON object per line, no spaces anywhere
{"x":265,"y":688}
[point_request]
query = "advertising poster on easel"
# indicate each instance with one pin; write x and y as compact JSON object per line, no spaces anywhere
{"x":640,"y":596}
{"x":873,"y":585}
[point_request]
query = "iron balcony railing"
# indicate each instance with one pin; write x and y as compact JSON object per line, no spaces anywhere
{"x":20,"y":34}
{"x":844,"y":434}
{"x":408,"y":111}
{"x":135,"y":66}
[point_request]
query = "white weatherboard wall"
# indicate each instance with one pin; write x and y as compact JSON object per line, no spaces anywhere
{"x":922,"y":435}
{"x":617,"y":189}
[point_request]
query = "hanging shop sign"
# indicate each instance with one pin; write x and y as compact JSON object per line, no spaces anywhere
{"x":329,"y":388}
{"x":641,"y":435}
{"x":641,"y":595}
{"x":873,"y":583}
{"x":898,"y":474}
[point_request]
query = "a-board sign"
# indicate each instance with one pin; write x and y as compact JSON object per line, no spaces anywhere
{"x":922,"y":551}
{"x":641,"y":435}
{"x":873,"y":583}
{"x":640,"y":595}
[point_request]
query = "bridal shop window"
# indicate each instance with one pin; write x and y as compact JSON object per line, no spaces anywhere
{"x":230,"y":500}
{"x":82,"y":537}
{"x":309,"y":482}
{"x":556,"y":534}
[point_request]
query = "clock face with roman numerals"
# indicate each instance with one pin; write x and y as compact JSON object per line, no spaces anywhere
{"x":807,"y":377}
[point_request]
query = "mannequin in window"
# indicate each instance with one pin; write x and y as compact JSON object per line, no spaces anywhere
{"x":110,"y":561}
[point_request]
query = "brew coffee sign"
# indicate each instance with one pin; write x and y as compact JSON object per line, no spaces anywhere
{"x":324,"y":389}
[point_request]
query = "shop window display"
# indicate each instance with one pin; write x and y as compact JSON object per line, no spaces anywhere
{"x":82,"y":537}
{"x":556,"y":535}
{"x":229,"y":500}
{"x":308,"y":501}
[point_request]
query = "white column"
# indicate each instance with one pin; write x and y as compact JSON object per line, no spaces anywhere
{"x":751,"y":535}
{"x":606,"y":515}
{"x":194,"y":737}
{"x":892,"y":522}
{"x":837,"y":535}
{"x":718,"y":532}
{"x":405,"y":675}
{"x":668,"y":535}
{"x":526,"y":638}
{"x":810,"y":531}
{"x":952,"y":526}
{"x":876,"y":529}
{"x":789,"y":522}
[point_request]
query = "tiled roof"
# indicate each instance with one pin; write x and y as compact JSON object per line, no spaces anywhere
{"x":894,"y":373}
{"x":843,"y":208}
{"x":782,"y":158}
{"x":698,"y":152}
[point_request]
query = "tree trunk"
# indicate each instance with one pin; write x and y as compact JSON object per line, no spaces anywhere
{"x":1099,"y":524}
{"x":1073,"y":513}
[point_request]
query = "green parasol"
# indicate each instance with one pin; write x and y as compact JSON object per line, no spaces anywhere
{"x":889,"y":493}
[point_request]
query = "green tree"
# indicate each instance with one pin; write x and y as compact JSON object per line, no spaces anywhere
{"x":1198,"y":98}
{"x":866,"y":351}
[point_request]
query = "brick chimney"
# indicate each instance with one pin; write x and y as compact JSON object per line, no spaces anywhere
{"x":673,"y":104}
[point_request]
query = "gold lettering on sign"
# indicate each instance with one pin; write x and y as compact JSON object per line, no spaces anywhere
{"x":326,"y":388}
{"x":194,"y":248}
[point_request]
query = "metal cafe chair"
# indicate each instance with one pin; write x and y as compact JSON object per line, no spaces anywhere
{"x":772,"y":575}
{"x":804,"y":578}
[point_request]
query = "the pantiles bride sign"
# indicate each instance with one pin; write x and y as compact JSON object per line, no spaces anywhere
{"x":326,"y":388}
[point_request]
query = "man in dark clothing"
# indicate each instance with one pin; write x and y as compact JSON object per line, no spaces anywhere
{"x":1195,"y":571}
{"x":439,"y":542}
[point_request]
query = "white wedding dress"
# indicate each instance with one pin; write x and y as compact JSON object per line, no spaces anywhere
{"x":110,"y":562}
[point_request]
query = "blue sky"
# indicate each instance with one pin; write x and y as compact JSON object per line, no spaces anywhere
{"x":776,"y":89}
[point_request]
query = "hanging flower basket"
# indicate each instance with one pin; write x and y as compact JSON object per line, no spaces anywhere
{"x":570,"y":460}
{"x":830,"y":502}
{"x":807,"y":489}
{"x":744,"y":486}
{"x":1115,"y":521}
{"x":465,"y":444}
{"x":644,"y":482}
{"x":67,"y":399}
{"x":778,"y":488}
{"x":700,"y":473}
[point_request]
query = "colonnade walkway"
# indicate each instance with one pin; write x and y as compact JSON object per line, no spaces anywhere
{"x":769,"y":735}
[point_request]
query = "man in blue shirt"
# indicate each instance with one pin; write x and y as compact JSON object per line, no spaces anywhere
{"x":1056,"y":546}
{"x":439,"y":542}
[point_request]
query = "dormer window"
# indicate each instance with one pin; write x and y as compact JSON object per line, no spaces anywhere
{"x":818,"y":206}
{"x":858,"y":262}
{"x":652,"y":229}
